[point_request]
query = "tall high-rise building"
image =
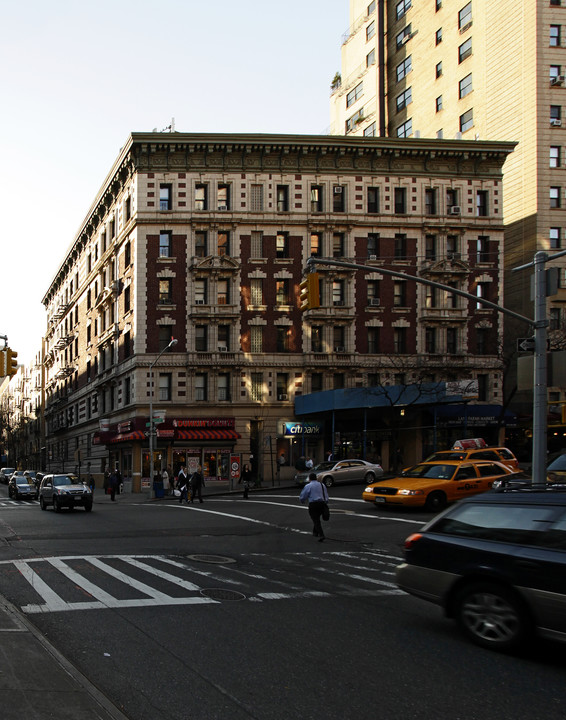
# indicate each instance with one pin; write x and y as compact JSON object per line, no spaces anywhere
{"x":476,"y":70}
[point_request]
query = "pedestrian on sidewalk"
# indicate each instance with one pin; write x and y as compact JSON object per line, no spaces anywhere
{"x":165,"y":478}
{"x":197,"y":483}
{"x":246,"y":479}
{"x":316,"y":494}
{"x":92,"y":484}
{"x":183,"y":485}
{"x":113,"y":484}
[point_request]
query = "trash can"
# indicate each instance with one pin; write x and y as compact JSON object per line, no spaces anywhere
{"x":158,"y":489}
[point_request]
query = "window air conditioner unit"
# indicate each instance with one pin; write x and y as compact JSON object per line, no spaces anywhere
{"x":223,"y":207}
{"x":555,"y":122}
{"x":374,"y":302}
{"x":406,"y":38}
{"x":199,"y":301}
{"x":373,"y":257}
{"x":339,"y":303}
{"x":222,"y":348}
{"x":340,"y":348}
{"x":454,"y":256}
{"x":455,"y":210}
{"x":558,"y":80}
{"x":467,"y":26}
{"x":337,"y":189}
{"x":282,"y":397}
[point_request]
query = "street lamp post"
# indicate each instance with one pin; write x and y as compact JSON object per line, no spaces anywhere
{"x":151,"y":423}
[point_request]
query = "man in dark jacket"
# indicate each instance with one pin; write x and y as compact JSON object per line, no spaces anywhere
{"x":197,"y":482}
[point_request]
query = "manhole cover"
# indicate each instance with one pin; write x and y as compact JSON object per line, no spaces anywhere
{"x":215,"y":559}
{"x":221,"y":594}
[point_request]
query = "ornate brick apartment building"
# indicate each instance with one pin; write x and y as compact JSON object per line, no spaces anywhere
{"x":205,"y":238}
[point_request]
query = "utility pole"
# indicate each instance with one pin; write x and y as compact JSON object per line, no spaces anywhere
{"x":151,"y":422}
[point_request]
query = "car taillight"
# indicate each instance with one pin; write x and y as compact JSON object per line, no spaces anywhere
{"x":411,"y":540}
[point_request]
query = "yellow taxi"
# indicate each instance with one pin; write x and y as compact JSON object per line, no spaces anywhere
{"x":434,"y":484}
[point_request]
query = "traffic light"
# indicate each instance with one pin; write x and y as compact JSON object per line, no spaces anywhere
{"x":310,"y":292}
{"x":10,"y":362}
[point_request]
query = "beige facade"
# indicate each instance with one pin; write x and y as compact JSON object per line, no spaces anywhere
{"x":204,"y":238}
{"x":478,"y":70}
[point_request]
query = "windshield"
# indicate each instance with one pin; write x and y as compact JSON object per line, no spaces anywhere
{"x":438,"y":472}
{"x":324,"y":466}
{"x":24,"y":481}
{"x":62,"y":480}
{"x":558,"y":464}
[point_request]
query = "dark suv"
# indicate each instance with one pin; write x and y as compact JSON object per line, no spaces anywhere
{"x":497,"y":564}
{"x":64,"y":491}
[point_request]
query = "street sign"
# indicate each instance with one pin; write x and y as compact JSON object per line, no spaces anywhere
{"x":156,"y":421}
{"x":526,"y":344}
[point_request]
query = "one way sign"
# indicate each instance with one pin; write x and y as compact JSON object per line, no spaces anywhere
{"x":526,"y":344}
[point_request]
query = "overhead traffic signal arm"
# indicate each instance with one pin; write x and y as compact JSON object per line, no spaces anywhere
{"x":310,"y":292}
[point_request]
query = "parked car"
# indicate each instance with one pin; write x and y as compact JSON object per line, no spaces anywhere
{"x":64,"y":491}
{"x":33,"y":476}
{"x":21,"y":487}
{"x":6,"y":474}
{"x":336,"y":471}
{"x":496,"y":563}
{"x":433,"y":484}
{"x":499,"y":454}
{"x":556,"y":470}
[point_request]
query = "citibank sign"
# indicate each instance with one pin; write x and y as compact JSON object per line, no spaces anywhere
{"x":292,"y":429}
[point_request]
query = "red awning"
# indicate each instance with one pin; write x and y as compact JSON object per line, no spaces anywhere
{"x":207,"y":434}
{"x":127,"y":437}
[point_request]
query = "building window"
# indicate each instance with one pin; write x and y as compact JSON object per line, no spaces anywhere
{"x":165,"y":197}
{"x":373,"y":292}
{"x":201,"y":338}
{"x":165,"y":386}
{"x":465,"y":17}
{"x":224,"y":387}
{"x":223,"y":242}
{"x":430,"y":201}
{"x":256,"y":200}
{"x":166,"y":291}
{"x":338,"y":198}
{"x":373,"y":245}
{"x":467,"y":120}
{"x":256,"y":388}
{"x":555,"y":197}
{"x":354,"y":94}
{"x":201,"y":196}
{"x":282,"y":386}
{"x":451,"y":198}
{"x":316,"y":245}
{"x":555,"y":36}
{"x":482,"y":249}
{"x":555,"y":72}
{"x":201,"y":387}
{"x":438,"y":69}
{"x":223,"y":197}
{"x":282,"y":292}
{"x":201,"y":249}
{"x":256,"y":338}
{"x":482,"y":335}
{"x":224,"y":337}
{"x":369,"y":131}
{"x":165,"y":243}
{"x":400,"y":341}
{"x":465,"y":50}
{"x":373,"y":340}
{"x":438,"y":36}
{"x":201,"y":291}
{"x":127,"y":255}
{"x":127,"y":299}
{"x":353,"y":121}
{"x":430,"y":247}
{"x":431,"y":297}
{"x":373,"y":200}
{"x":338,"y":340}
{"x":482,"y":291}
{"x":282,"y":339}
{"x":439,"y":103}
{"x":257,"y":244}
{"x":555,"y":238}
{"x":430,"y":340}
{"x":451,"y":341}
{"x":405,"y":129}
{"x":400,"y":246}
{"x":404,"y":99}
{"x":338,"y":292}
{"x":316,"y":382}
{"x":317,"y":197}
{"x":370,"y":58}
{"x":165,"y":336}
{"x":482,"y":209}
{"x":223,"y":291}
{"x":399,"y":293}
{"x":404,"y":36}
{"x":404,"y":68}
{"x":400,"y":201}
{"x":556,"y":115}
{"x":338,"y":245}
{"x":282,"y":245}
{"x":370,"y":30}
{"x":465,"y":86}
{"x":452,"y":247}
{"x":554,"y":156}
{"x":338,"y":381}
{"x":316,"y":339}
{"x":282,"y":198}
{"x":256,"y":292}
{"x":402,"y":7}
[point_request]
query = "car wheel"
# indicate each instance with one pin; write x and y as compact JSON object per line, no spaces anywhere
{"x":369,"y":478}
{"x":492,"y":616}
{"x":42,"y":504}
{"x":88,"y":507}
{"x":56,"y":505}
{"x":328,"y":481}
{"x":435,"y":501}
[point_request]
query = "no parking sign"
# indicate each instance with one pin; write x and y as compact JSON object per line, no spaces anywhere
{"x":235,"y":467}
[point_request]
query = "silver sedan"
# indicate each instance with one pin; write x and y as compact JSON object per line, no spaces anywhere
{"x":338,"y":471}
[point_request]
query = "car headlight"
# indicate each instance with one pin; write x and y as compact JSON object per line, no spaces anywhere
{"x":369,"y":489}
{"x":405,"y":491}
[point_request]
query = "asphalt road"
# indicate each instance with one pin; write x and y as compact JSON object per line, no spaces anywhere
{"x":231,"y":609}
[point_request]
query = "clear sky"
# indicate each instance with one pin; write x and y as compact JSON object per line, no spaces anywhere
{"x":79,"y":75}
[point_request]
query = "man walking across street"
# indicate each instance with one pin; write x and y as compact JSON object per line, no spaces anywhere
{"x":197,"y":481}
{"x":316,"y":494}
